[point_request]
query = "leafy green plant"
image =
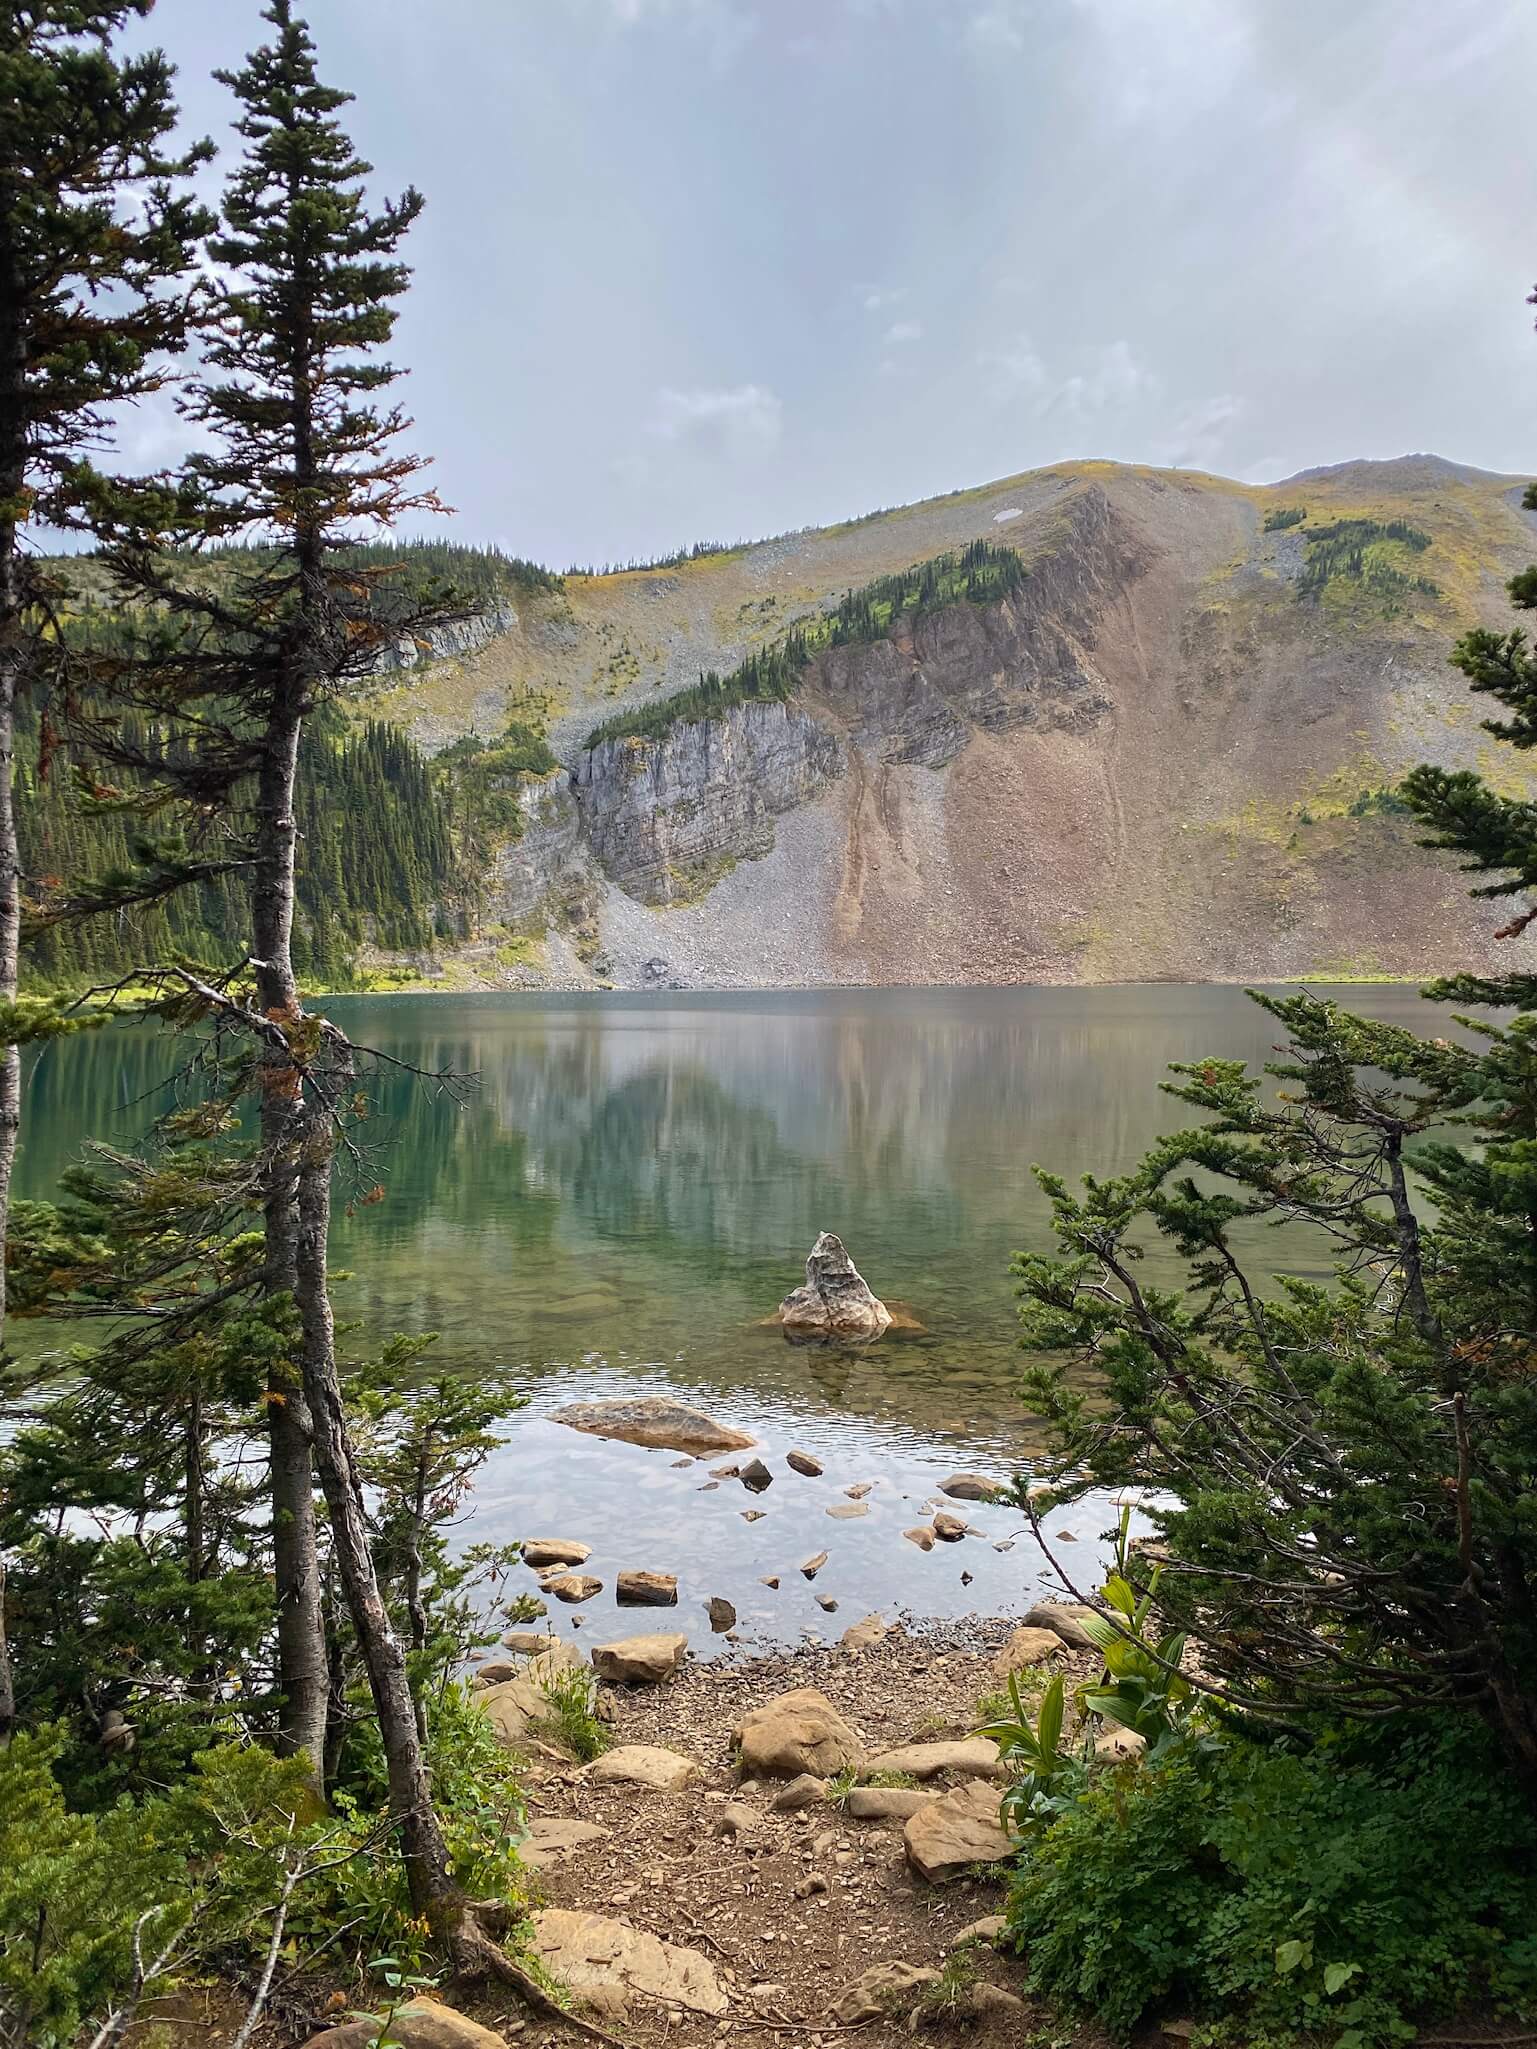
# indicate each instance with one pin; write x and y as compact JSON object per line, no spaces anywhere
{"x":401,"y":1984}
{"x":1048,"y":1777}
{"x":1283,"y":1896}
{"x":573,"y":1717}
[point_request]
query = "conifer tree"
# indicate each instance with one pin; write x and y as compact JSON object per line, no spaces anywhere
{"x":96,"y":230}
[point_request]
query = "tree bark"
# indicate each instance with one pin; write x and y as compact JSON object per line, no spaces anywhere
{"x":434,"y":1896}
{"x":302,"y":1672}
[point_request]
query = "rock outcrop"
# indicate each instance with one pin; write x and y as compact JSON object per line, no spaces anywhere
{"x":836,"y":1301}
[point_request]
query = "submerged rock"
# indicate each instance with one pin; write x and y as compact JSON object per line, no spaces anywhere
{"x":836,"y":1302}
{"x":656,"y":1421}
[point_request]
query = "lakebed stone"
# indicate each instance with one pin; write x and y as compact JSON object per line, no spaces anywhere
{"x":799,"y":1731}
{"x":571,"y":1587}
{"x":721,"y":1613}
{"x":639,"y":1660}
{"x":422,"y":2024}
{"x":552,"y":1840}
{"x":971,"y":1487}
{"x":973,"y":1755}
{"x":947,"y":1836}
{"x":656,"y":1421}
{"x":1027,"y":1646}
{"x":1066,"y":1618}
{"x":848,"y":1511}
{"x":607,"y":1964}
{"x":646,"y":1590}
{"x":803,"y":1462}
{"x":948,"y":1528}
{"x":543,"y":1551}
{"x":922,"y":1536}
{"x":836,"y":1302}
{"x":865,"y":1635}
{"x":645,"y":1765}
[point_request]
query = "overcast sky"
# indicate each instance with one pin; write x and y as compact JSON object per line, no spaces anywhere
{"x":713,"y":268}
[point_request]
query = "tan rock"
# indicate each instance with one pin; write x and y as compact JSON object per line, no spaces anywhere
{"x":922,"y":1536}
{"x":847,"y":1511}
{"x":805,"y":1790}
{"x":495,"y":1671}
{"x":1026,"y":1647}
{"x":646,"y":1590}
{"x":654,"y":1420}
{"x":752,"y":1515}
{"x":835,"y":1302}
{"x":988,"y":1930}
{"x":948,"y":1528}
{"x":607,"y":1964}
{"x":1118,"y":1746}
{"x":863,"y":1636}
{"x":976,"y":1756}
{"x":571,"y":1587}
{"x":1066,"y":1618}
{"x":645,"y":1765}
{"x":552,"y":1840}
{"x":885,"y":1991}
{"x":813,"y":1565}
{"x":797,"y":1732}
{"x":971,"y":1487}
{"x":531,"y":1642}
{"x":885,"y":1803}
{"x":639,"y":1660}
{"x":541,"y":1551}
{"x":946,"y":1837}
{"x":984,"y":2002}
{"x":424,"y":2024}
{"x":803,"y":1462}
{"x":736,"y":1818}
{"x":721,"y":1613}
{"x":517,"y":1704}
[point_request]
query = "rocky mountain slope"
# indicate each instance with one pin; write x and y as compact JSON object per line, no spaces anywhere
{"x":1169,"y":752}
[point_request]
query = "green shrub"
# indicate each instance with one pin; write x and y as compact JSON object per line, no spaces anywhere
{"x":573,"y":1716}
{"x":1284,"y":516}
{"x":1339,"y":1895}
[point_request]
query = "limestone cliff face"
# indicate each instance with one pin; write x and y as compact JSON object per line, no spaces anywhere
{"x":548,"y":874}
{"x":451,"y":641}
{"x":664,"y":816}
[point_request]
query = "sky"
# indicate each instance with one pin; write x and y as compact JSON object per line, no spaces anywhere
{"x":711,"y":269}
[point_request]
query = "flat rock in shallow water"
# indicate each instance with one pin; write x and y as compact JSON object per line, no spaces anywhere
{"x":653,"y":1420}
{"x":646,"y":1590}
{"x":970,"y":1487}
{"x":607,"y":1962}
{"x":542,"y":1551}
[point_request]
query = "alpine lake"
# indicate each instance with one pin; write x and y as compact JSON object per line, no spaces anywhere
{"x":632,"y":1187}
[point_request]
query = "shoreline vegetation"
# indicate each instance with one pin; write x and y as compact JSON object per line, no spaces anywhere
{"x":1210,"y":1789}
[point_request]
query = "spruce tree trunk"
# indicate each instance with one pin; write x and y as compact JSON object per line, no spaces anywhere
{"x":302,"y":1673}
{"x":434,"y":1896}
{"x":13,"y":471}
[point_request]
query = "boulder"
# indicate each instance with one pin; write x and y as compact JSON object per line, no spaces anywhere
{"x":1026,"y":1647}
{"x":948,"y":1528}
{"x":971,"y":1487}
{"x":846,"y":1511}
{"x":423,"y":2024}
{"x":494,"y":1671}
{"x":639,"y":1660}
{"x":654,"y":1420}
{"x":552,"y":1841}
{"x":1066,"y":1618}
{"x":974,"y":1755}
{"x":515,"y":1705}
{"x":803,"y":1462}
{"x":984,"y":2002}
{"x":990,"y":1929}
{"x":805,"y":1791}
{"x":571,"y":1587}
{"x":642,"y":1764}
{"x":885,"y":1803}
{"x":1118,"y":1746}
{"x":835,"y":1302}
{"x":646,"y":1590}
{"x":542,"y":1551}
{"x":606,"y":1963}
{"x":882,"y":1993}
{"x":755,"y":1475}
{"x":721,"y":1613}
{"x":922,"y":1536}
{"x":797,"y":1732}
{"x":863,"y":1636}
{"x":946,"y":1837}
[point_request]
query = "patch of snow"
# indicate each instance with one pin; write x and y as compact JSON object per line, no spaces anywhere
{"x":1009,"y":512}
